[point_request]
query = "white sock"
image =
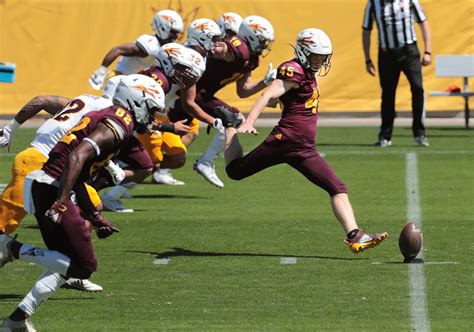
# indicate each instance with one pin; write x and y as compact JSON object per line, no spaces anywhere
{"x":216,"y":147}
{"x":46,"y":285}
{"x":116,"y":192}
{"x":51,"y":260}
{"x":164,"y":171}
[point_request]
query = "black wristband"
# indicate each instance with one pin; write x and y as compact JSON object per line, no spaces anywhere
{"x":426,"y":52}
{"x":368,"y":61}
{"x":167,"y":127}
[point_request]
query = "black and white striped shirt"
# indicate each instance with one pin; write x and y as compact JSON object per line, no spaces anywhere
{"x":395,"y":21}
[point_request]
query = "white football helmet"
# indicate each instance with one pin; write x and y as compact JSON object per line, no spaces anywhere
{"x":110,"y":86}
{"x":167,"y":25}
{"x":229,"y":23}
{"x":142,"y":96}
{"x":258,"y":33}
{"x":180,"y":62}
{"x":314,"y":41}
{"x":203,"y":32}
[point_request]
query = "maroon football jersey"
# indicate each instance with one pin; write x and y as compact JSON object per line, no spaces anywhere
{"x":219,"y":73}
{"x":118,"y":119}
{"x":156,"y":73}
{"x":300,"y":105}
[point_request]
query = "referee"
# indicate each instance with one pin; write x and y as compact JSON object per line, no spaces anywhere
{"x":398,"y":52}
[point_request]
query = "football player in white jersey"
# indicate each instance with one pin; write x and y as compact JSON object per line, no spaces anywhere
{"x":140,"y":54}
{"x":33,"y":157}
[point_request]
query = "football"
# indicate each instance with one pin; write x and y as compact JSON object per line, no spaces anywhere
{"x":410,"y":241}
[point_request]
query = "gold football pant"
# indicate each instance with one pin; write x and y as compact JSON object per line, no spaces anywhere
{"x":11,"y":201}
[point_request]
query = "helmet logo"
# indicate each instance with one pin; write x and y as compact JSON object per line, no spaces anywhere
{"x":152,"y":92}
{"x":306,"y":41}
{"x":168,"y":18}
{"x":173,"y":51}
{"x":229,"y":18}
{"x":203,"y":26}
{"x":257,"y":27}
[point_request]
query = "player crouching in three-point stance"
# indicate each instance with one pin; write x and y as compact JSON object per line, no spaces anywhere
{"x":57,"y":196}
{"x":292,"y":141}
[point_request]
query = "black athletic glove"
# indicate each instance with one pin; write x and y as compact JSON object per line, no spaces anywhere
{"x":228,"y":118}
{"x":104,"y":228}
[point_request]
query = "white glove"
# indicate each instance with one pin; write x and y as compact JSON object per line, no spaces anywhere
{"x":96,"y":81}
{"x":115,"y":172}
{"x":6,"y":134}
{"x":270,"y":75}
{"x":217,"y":125}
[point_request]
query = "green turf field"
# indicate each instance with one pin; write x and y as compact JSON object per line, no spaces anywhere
{"x":225,"y":247}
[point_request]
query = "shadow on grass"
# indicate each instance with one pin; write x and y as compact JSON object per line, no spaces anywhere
{"x":31,"y":227}
{"x":413,"y":261}
{"x":345,"y":144}
{"x":181,"y":252}
{"x":11,"y":297}
{"x":169,"y":196}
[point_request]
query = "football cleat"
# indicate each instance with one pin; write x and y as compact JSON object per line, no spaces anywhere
{"x":6,"y":255}
{"x":164,"y":176}
{"x":82,"y":285}
{"x":13,"y":325}
{"x":209,"y":173}
{"x":113,"y":205}
{"x":363,"y":241}
{"x":422,"y":141}
{"x":383,"y":143}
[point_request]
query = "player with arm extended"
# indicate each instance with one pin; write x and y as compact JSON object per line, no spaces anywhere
{"x":293,"y":140}
{"x":167,"y":25}
{"x":57,"y":196}
{"x":175,"y":65}
{"x":203,"y":36}
{"x":243,"y":46}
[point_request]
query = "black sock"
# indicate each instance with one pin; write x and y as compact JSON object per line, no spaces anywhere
{"x":352,"y":233}
{"x":18,"y":315}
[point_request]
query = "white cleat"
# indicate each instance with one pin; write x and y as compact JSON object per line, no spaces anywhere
{"x":209,"y":173}
{"x":6,"y":255}
{"x":114,"y":205}
{"x":164,"y":176}
{"x":82,"y":285}
{"x":12,"y":325}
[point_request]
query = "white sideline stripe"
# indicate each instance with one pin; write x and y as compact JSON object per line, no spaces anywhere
{"x":381,"y":151}
{"x":161,"y":261}
{"x":418,"y":303}
{"x":288,"y":260}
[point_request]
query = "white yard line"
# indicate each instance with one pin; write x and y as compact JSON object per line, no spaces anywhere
{"x":376,"y":151}
{"x":418,"y":302}
{"x":162,"y":261}
{"x":288,"y":260}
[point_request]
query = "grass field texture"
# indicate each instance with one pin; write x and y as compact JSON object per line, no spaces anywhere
{"x":224,"y":247}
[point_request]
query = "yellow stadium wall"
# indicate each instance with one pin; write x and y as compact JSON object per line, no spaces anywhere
{"x":57,"y":44}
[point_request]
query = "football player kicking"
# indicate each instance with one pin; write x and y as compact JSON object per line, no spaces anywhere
{"x":139,"y":55}
{"x":243,"y":45}
{"x":58,"y":198}
{"x":292,"y":141}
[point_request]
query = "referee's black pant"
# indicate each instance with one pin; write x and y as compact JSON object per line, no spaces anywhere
{"x":391,"y":62}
